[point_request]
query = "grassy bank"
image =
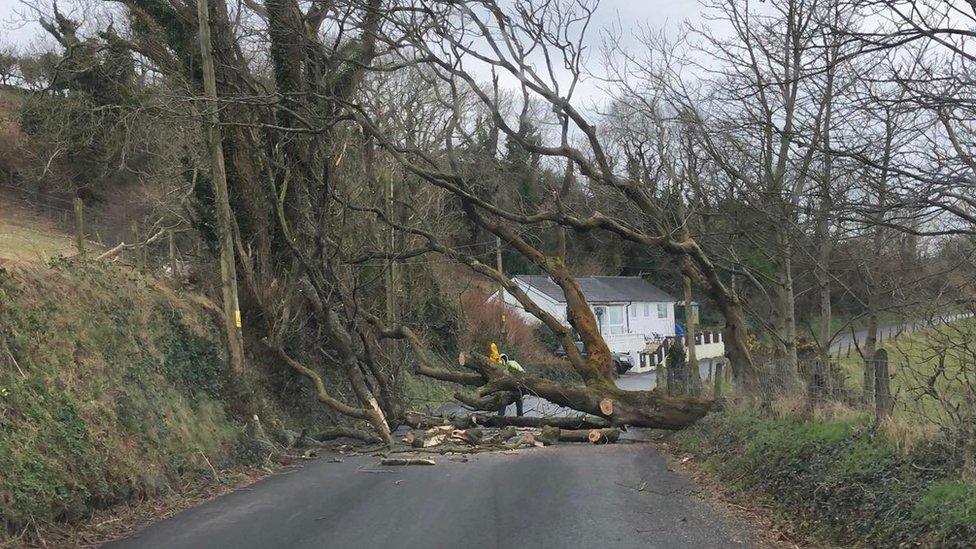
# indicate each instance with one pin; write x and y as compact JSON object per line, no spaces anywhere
{"x":109,"y":390}
{"x":841,"y":482}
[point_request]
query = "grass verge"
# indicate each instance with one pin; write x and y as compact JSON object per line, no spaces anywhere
{"x":841,"y":482}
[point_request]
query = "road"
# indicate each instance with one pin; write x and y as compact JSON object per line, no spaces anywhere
{"x":844,"y":340}
{"x":564,"y":496}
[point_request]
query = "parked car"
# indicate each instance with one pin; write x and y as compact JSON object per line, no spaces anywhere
{"x":622,"y":362}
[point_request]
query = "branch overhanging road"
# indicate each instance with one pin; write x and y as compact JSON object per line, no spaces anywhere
{"x":566,"y":496}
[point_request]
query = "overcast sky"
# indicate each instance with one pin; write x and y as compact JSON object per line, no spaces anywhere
{"x":629,"y":13}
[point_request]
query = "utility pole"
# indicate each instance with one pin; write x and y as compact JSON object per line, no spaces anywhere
{"x":498,"y":265}
{"x":228,"y":268}
{"x":391,"y":266}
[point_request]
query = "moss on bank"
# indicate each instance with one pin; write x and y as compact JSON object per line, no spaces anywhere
{"x":110,"y":389}
{"x":841,"y":482}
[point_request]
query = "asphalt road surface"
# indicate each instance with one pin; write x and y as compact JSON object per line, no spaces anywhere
{"x":564,"y":496}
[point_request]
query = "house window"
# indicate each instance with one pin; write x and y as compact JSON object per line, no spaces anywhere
{"x":647,"y":310}
{"x":662,"y":310}
{"x":614,"y":321}
{"x":633,"y":311}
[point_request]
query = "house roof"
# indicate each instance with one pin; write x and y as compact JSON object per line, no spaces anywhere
{"x":602,"y":289}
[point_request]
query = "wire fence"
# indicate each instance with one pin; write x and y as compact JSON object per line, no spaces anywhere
{"x":59,"y":209}
{"x":95,"y":229}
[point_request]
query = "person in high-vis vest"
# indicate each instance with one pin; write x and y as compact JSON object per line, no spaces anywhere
{"x":511,"y":366}
{"x":493,"y":354}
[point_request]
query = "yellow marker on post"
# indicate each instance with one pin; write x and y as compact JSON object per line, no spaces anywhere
{"x":237,"y":318}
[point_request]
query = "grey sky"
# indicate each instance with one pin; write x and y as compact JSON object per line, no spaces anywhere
{"x":629,"y":13}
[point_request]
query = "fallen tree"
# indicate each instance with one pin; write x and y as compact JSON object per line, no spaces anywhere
{"x":421,"y":421}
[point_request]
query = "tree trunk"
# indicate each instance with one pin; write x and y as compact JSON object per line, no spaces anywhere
{"x":786,"y":353}
{"x":870,"y":344}
{"x":692,"y":371}
{"x":638,"y":408}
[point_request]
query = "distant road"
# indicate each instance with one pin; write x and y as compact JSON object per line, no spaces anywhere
{"x":845,"y":340}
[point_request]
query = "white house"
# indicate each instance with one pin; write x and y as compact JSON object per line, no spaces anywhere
{"x":630,"y":310}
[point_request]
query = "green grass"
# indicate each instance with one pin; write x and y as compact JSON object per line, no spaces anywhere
{"x":913,"y":359}
{"x":27,"y":242}
{"x":841,"y":482}
{"x":949,"y":504}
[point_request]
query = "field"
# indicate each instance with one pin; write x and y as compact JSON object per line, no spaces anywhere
{"x":26,"y":236}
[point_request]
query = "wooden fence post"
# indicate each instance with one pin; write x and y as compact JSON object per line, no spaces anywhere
{"x":174,"y":268}
{"x":80,"y":226}
{"x":137,"y":248}
{"x":882,"y":385}
{"x":717,"y":391}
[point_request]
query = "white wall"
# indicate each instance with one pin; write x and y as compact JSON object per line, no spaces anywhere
{"x":650,"y":324}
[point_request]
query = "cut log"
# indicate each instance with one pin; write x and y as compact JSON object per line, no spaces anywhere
{"x":407,"y":461}
{"x":552,"y":435}
{"x":505,"y":433}
{"x":333,"y":433}
{"x":606,"y":406}
{"x":469,"y":436}
{"x":603,"y":436}
{"x":417,"y":420}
